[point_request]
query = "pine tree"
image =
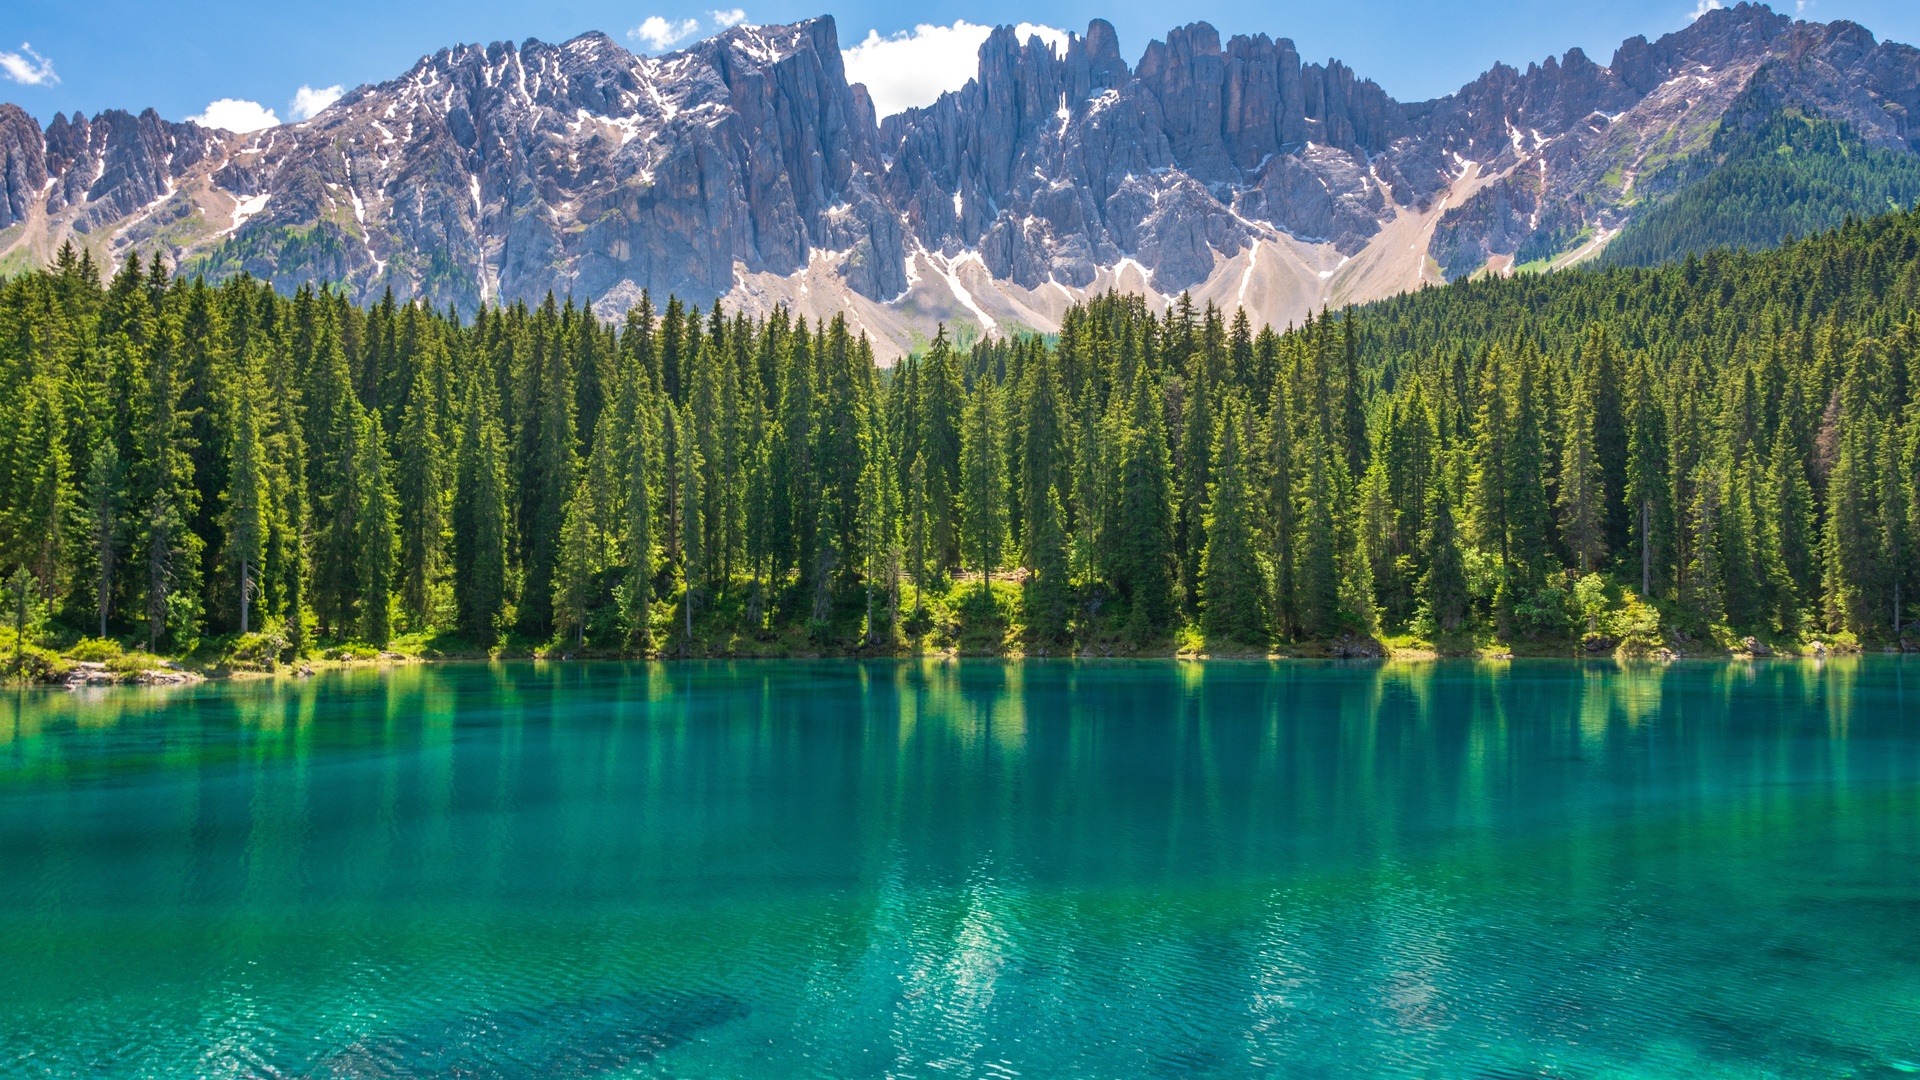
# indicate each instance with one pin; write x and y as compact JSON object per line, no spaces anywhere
{"x":1353,"y":417}
{"x":1647,"y":490}
{"x":1528,"y":507}
{"x":167,"y":500}
{"x":37,"y":521}
{"x":842,"y":441}
{"x":919,"y":533}
{"x":880,"y":541}
{"x":1317,"y":590}
{"x":1583,"y":496}
{"x":1049,"y":593}
{"x":1283,"y":510}
{"x":982,"y":480}
{"x":1195,"y":475}
{"x":105,"y":500}
{"x":637,"y":420}
{"x":1852,"y":546}
{"x":1896,"y":547}
{"x":374,"y":540}
{"x":550,"y":472}
{"x":1042,"y":458}
{"x":693,"y":526}
{"x":247,"y":509}
{"x":1377,"y":525}
{"x":1444,"y":588}
{"x":1233,"y":582}
{"x":1144,"y":559}
{"x":420,"y":497}
{"x":334,"y":419}
{"x":286,"y":574}
{"x":1792,"y":511}
{"x":579,"y":562}
{"x":480,"y":513}
{"x":942,"y":401}
{"x":795,"y":488}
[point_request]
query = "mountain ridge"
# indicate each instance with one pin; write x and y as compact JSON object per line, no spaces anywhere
{"x":746,"y":168}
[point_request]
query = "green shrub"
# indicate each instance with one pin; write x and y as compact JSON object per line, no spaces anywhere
{"x":257,"y":652}
{"x":33,"y":664}
{"x":94,"y":650}
{"x":132,"y":663}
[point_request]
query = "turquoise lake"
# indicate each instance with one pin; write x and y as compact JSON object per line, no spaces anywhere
{"x":1110,"y":869}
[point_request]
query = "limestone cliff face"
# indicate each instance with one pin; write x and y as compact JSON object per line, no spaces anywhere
{"x":747,"y":167}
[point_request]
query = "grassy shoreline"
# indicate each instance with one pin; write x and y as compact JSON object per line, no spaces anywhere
{"x":964,"y":621}
{"x":145,"y":669}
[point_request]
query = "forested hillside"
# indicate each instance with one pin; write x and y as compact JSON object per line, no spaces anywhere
{"x":1720,"y":448}
{"x":1765,"y":182}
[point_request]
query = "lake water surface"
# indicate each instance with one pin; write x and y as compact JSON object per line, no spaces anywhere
{"x":956,"y":870}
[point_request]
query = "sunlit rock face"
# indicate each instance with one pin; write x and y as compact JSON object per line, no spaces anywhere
{"x":747,"y":169}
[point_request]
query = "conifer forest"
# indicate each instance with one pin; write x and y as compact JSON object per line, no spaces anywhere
{"x":1716,"y":451}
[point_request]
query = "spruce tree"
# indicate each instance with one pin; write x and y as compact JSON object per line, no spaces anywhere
{"x":247,"y":509}
{"x":1852,"y":553}
{"x":1647,"y":490}
{"x":1583,"y":496}
{"x":1283,"y":510}
{"x":1049,"y":592}
{"x":334,"y":420}
{"x":480,"y":512}
{"x":420,"y":498}
{"x":943,"y":398}
{"x":1232,"y":580}
{"x":982,"y":481}
{"x":39,"y":518}
{"x":1317,"y":589}
{"x":374,"y":540}
{"x":167,"y":500}
{"x":579,"y":562}
{"x":1444,"y":587}
{"x":1144,"y":556}
{"x":549,"y":475}
{"x":1195,"y":476}
{"x":636,"y":417}
{"x":1792,"y":511}
{"x":692,"y":524}
{"x":919,"y":533}
{"x":104,"y":501}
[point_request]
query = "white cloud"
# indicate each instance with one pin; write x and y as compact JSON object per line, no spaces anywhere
{"x":1705,"y":6}
{"x":309,"y":103}
{"x":236,"y":114}
{"x":728,"y":19}
{"x":27,"y":67}
{"x":659,"y":34}
{"x":908,"y":70}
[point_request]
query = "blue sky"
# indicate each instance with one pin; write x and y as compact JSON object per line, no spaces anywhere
{"x":179,"y":57}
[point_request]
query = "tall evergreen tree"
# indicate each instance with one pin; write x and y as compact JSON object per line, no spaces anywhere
{"x":374,"y":540}
{"x":480,"y":518}
{"x":1583,"y":496}
{"x":1647,"y":490}
{"x":982,"y":479}
{"x":1233,"y":581}
{"x":1144,"y":559}
{"x":942,"y":401}
{"x":580,"y":560}
{"x":247,"y":506}
{"x":1444,"y":587}
{"x":420,"y":495}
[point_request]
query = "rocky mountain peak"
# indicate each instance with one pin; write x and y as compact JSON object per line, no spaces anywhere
{"x":746,"y":167}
